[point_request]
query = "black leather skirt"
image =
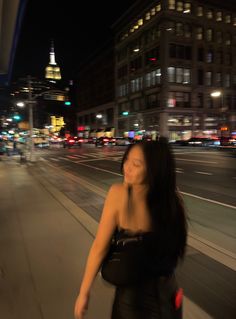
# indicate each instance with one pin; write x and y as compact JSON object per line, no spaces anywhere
{"x":156,"y":298}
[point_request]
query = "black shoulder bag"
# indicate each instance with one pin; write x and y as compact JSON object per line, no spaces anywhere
{"x":125,"y":261}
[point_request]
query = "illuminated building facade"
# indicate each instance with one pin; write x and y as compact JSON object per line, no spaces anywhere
{"x":52,"y":71}
{"x":170,"y":58}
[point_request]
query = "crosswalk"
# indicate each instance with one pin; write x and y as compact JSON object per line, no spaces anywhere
{"x":88,"y":157}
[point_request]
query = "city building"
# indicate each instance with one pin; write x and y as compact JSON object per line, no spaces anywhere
{"x":52,"y":71}
{"x":95,"y":94}
{"x":175,"y":69}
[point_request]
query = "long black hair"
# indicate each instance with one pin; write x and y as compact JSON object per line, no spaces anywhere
{"x":164,"y":201}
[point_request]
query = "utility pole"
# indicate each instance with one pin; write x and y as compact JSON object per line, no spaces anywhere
{"x":31,"y":123}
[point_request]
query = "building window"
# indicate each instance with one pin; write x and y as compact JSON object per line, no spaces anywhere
{"x":228,"y":58}
{"x":209,"y":56}
{"x":218,"y":79}
{"x":227,"y":80}
{"x":171,"y":74}
{"x":200,"y":54}
{"x":227,"y":38}
{"x":219,"y":16}
{"x":172,"y":4}
{"x":179,"y":75}
{"x":199,"y":33}
{"x":136,"y":84}
{"x":180,"y":6}
{"x":209,"y":35}
{"x":208,"y":78}
{"x":200,"y":100}
{"x":200,"y":11}
{"x":219,"y":37}
{"x":219,"y":57}
{"x":187,"y":31}
{"x":158,"y":8}
{"x":179,"y":99}
{"x":200,"y":77}
{"x":153,"y":78}
{"x":227,"y":18}
{"x":179,"y":29}
{"x":234,"y":22}
{"x":187,"y":78}
{"x":187,"y":7}
{"x":209,"y":14}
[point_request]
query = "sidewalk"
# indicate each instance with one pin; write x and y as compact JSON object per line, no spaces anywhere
{"x":43,"y":250}
{"x":44,"y":241}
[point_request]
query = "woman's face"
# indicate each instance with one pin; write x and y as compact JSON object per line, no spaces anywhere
{"x":135,"y":166}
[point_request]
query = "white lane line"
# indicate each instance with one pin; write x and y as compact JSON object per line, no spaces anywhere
{"x":179,"y":172}
{"x":80,"y":156}
{"x":72,"y":156}
{"x":209,"y":200}
{"x":197,"y":161}
{"x":54,"y":159}
{"x":42,"y":159}
{"x":203,"y":173}
{"x":100,"y":169}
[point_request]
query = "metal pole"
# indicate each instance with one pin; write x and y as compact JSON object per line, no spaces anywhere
{"x":31,"y":124}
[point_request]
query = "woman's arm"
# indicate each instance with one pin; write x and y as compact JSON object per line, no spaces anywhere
{"x":99,"y":248}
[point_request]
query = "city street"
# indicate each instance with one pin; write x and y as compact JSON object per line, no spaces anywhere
{"x":56,"y":204}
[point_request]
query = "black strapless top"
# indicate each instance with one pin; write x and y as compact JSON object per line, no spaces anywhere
{"x":155,"y":263}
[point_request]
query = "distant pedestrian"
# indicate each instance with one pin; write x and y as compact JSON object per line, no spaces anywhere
{"x":145,"y":214}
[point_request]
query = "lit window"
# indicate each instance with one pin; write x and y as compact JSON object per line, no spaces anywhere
{"x":186,"y":76}
{"x":218,"y":16}
{"x":199,"y":11}
{"x":187,"y":7}
{"x":208,"y":78}
{"x":179,"y":75}
{"x":228,"y":18}
{"x":187,"y":31}
{"x":179,"y":29}
{"x":209,"y":34}
{"x":199,"y":33}
{"x":153,"y":11}
{"x":172,"y":4}
{"x":158,"y":8}
{"x":148,"y":80}
{"x":180,"y":6}
{"x":209,"y":14}
{"x":148,"y":16}
{"x":140,"y":22}
{"x":234,"y":22}
{"x":171,"y":74}
{"x":227,"y":39}
{"x":209,"y":56}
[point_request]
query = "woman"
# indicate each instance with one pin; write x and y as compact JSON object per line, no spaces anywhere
{"x":148,"y":204}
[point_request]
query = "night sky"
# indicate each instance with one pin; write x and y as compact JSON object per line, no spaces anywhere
{"x":77,"y":33}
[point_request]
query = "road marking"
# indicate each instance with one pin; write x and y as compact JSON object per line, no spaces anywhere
{"x":72,"y":156}
{"x":100,"y":169}
{"x":54,"y":159}
{"x":197,"y":161}
{"x":203,"y":173}
{"x":180,"y":172}
{"x":210,"y":200}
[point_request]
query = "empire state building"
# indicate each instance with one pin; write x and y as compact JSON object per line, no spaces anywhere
{"x":52,"y":71}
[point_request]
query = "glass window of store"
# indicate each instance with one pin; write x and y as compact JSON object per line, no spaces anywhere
{"x":171,"y":74}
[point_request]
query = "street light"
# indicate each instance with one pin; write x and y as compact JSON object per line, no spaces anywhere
{"x":217,"y":94}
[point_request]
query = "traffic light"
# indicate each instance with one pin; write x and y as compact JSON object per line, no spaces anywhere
{"x":17,"y":117}
{"x":67,"y":103}
{"x":125,"y":113}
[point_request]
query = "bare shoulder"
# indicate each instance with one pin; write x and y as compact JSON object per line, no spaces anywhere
{"x":117,"y":189}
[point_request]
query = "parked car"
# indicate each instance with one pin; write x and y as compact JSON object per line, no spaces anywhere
{"x":73,"y":141}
